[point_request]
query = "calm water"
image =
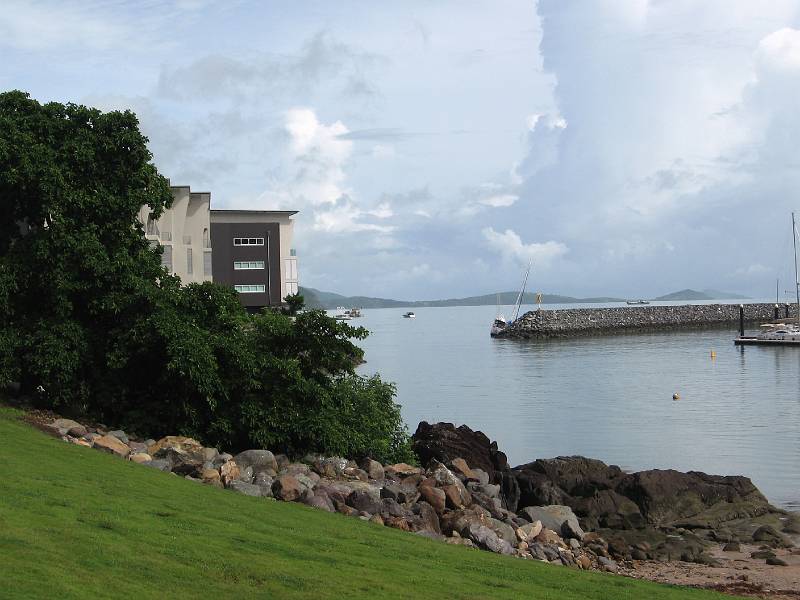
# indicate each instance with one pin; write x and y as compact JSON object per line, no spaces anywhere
{"x":605,"y":397}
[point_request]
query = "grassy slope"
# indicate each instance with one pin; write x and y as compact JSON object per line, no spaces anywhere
{"x":76,"y":523}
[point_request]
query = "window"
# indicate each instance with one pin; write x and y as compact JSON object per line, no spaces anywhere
{"x":206,"y":239}
{"x":189,"y":265}
{"x":152,"y":228}
{"x":291,"y":287}
{"x":290,"y":269}
{"x":166,"y":258}
{"x":249,"y":289}
{"x":248,"y":241}
{"x":166,"y":236}
{"x":207,"y":264}
{"x":243,"y":265}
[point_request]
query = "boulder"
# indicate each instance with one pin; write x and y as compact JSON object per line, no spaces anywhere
{"x":140,"y":458}
{"x":77,"y":431}
{"x":366,"y":500}
{"x":62,"y":426}
{"x":329,"y":467}
{"x":109,"y":443}
{"x":531,"y":530}
{"x":287,"y":488}
{"x":319,"y":500}
{"x":434,"y":496}
{"x":248,"y":489}
{"x":229,"y":472}
{"x":769,"y":535}
{"x":486,"y":538}
{"x":460,"y":466}
{"x":120,"y":435}
{"x":210,"y":477}
{"x":444,"y":443}
{"x":137,"y":447}
{"x":184,"y":455}
{"x":559,"y":518}
{"x":427,"y":520}
{"x":160,"y":464}
{"x":401,"y":470}
{"x":373,"y":469}
{"x":259,"y":460}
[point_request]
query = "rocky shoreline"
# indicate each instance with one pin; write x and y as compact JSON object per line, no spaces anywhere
{"x":626,"y":319}
{"x":570,"y":511}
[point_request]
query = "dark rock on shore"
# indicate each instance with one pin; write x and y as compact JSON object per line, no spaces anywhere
{"x":445,"y":443}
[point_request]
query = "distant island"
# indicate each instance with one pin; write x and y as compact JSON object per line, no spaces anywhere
{"x":329,"y":300}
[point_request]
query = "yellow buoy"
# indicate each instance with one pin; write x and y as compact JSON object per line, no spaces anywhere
{"x":676,"y":396}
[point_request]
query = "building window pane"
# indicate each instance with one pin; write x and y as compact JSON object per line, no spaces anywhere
{"x":242,"y":265}
{"x":189,"y":265}
{"x":207,"y":264}
{"x":248,"y":241}
{"x":166,"y":258}
{"x":249,"y":289}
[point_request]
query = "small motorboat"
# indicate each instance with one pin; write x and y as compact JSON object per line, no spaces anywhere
{"x":342,"y":315}
{"x":498,"y":325}
{"x":634,"y":302}
{"x":409,"y":315}
{"x":353,"y":312}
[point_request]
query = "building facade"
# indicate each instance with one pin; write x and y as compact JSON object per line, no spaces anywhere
{"x":252,"y":249}
{"x":184,"y":231}
{"x":253,"y":254}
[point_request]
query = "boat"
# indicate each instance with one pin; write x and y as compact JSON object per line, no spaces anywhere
{"x":499,"y":325}
{"x":409,"y":315}
{"x":343,"y":314}
{"x":783,"y":332}
{"x":354,"y":313}
{"x":633,"y":302}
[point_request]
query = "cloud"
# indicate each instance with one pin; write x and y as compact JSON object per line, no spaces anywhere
{"x":499,"y":200}
{"x":510,"y":246}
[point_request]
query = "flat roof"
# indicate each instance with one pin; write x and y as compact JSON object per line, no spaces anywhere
{"x":254,"y":212}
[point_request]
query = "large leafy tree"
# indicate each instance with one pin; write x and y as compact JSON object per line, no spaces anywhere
{"x":72,"y":180}
{"x":89,"y":316}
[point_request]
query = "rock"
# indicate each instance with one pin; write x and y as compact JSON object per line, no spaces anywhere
{"x":548,"y":536}
{"x":483,"y":476}
{"x":158,"y":463}
{"x":366,"y":500}
{"x":229,"y":472}
{"x":503,"y":530}
{"x":137,"y":447}
{"x":537,"y":551}
{"x":77,"y":431}
{"x":607,"y":564}
{"x":295,"y":469}
{"x":637,"y":554}
{"x":120,"y":435}
{"x":259,"y":460}
{"x":111,"y":444}
{"x":434,"y":496}
{"x":556,"y":517}
{"x":287,"y":488}
{"x":574,"y":544}
{"x":428,"y":519}
{"x":245,"y":474}
{"x":584,"y":562}
{"x":320,"y":501}
{"x":487,"y":539}
{"x":185,"y":455}
{"x":769,"y":535}
{"x":248,"y":489}
{"x":531,"y":530}
{"x":355,"y":473}
{"x":444,"y":443}
{"x":376,"y":519}
{"x":762,"y":554}
{"x":401,"y":470}
{"x":79,"y":441}
{"x":731,"y":547}
{"x":775,"y":561}
{"x":263,"y":479}
{"x":373,"y":469}
{"x":210,"y":477}
{"x":210,"y":454}
{"x":140,"y":458}
{"x":63,"y":426}
{"x":329,"y":467}
{"x":460,"y":466}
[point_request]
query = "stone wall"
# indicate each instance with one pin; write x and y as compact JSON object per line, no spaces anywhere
{"x":626,"y":319}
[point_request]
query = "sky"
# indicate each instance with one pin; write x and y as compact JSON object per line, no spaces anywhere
{"x":433,"y":148}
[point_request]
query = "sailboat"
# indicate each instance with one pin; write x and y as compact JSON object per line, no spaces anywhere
{"x":782,"y":333}
{"x":500,"y":324}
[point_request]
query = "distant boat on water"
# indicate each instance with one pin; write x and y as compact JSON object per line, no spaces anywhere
{"x":409,"y":315}
{"x":632,"y":302}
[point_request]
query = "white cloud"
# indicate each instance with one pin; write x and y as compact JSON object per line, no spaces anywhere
{"x":780,"y":50}
{"x":510,"y":246}
{"x":499,"y":200}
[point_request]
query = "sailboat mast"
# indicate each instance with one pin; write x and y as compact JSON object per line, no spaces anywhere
{"x":796,"y":280}
{"x":522,"y":292}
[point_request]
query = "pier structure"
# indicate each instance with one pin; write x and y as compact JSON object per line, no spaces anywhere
{"x":569,"y":322}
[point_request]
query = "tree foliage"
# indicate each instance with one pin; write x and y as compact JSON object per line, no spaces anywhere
{"x":88,"y":314}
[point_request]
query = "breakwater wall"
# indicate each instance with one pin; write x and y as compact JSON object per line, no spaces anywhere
{"x":627,"y":319}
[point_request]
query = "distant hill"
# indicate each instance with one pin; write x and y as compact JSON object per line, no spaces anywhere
{"x":704,"y":295}
{"x":329,"y":300}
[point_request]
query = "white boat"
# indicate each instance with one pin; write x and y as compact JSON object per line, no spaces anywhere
{"x":353,"y":312}
{"x":409,"y":315}
{"x":782,"y":333}
{"x":500,"y":324}
{"x":343,"y":314}
{"x":632,"y":302}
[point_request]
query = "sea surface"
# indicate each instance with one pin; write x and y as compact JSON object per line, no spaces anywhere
{"x":604,"y":397}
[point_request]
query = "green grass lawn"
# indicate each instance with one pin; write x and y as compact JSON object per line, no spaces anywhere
{"x":77,"y":523}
